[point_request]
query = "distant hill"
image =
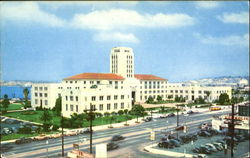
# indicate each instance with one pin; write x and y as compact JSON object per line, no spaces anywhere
{"x":235,"y":81}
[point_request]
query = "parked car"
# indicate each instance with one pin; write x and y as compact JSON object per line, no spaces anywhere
{"x":23,"y":140}
{"x":171,"y":115}
{"x":117,"y":138}
{"x":148,"y":119}
{"x":218,"y":146}
{"x":240,"y":138}
{"x":205,"y":150}
{"x":174,"y":142}
{"x":179,"y":128}
{"x":211,"y":147}
{"x":112,"y":146}
{"x":204,"y":134}
{"x":190,"y":112}
{"x":196,"y":150}
{"x":200,"y":156}
{"x":166,"y":144}
{"x":56,"y":135}
{"x":41,"y":137}
{"x":71,"y":133}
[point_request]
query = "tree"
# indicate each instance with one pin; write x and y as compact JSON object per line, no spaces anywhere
{"x":199,"y":100}
{"x":106,"y":114}
{"x":170,"y":96}
{"x":162,"y":109}
{"x":150,"y":100}
{"x":223,"y":98}
{"x":126,"y":115}
{"x":138,"y":110}
{"x":25,"y":93}
{"x":76,"y":120}
{"x":113,"y":113}
{"x":159,"y":98}
{"x":5,"y":102}
{"x":58,"y":106}
{"x":207,"y":94}
{"x":112,"y":118}
{"x":27,"y":103}
{"x":46,"y":118}
{"x":120,"y":112}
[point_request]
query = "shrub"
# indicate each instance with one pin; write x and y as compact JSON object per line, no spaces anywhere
{"x":55,"y":127}
{"x":120,"y":112}
{"x":46,"y":126}
{"x":28,"y":113}
{"x":25,"y":130}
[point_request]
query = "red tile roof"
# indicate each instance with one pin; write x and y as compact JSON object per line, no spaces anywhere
{"x":148,"y":77}
{"x":99,"y":76}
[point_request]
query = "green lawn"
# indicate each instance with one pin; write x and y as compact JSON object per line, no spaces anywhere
{"x":15,"y":106}
{"x":33,"y":117}
{"x":56,"y":119}
{"x":106,"y":120}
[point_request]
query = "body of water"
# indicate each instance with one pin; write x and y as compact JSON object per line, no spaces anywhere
{"x":13,"y":91}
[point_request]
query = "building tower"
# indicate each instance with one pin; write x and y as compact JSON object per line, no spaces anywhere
{"x":122,"y":61}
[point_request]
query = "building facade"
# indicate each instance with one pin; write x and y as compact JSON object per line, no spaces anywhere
{"x":117,"y":90}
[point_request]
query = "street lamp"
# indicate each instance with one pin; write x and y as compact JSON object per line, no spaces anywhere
{"x":91,"y":117}
{"x":62,"y":124}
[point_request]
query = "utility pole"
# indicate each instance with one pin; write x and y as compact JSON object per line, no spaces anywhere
{"x":232,"y":132}
{"x":62,"y":136}
{"x":90,"y":117}
{"x":177,"y":115}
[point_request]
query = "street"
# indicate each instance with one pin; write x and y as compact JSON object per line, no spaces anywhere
{"x":136,"y":138}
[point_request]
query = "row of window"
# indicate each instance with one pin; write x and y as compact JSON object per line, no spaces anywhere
{"x":41,"y":94}
{"x":71,"y":108}
{"x":71,"y":98}
{"x":94,"y":98}
{"x":152,"y":82}
{"x":41,"y":102}
{"x":100,"y":107}
{"x":41,"y":88}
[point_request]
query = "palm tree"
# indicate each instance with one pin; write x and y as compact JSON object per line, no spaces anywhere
{"x":207,"y":93}
{"x":25,"y":93}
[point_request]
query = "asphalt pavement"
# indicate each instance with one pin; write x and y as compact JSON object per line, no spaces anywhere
{"x":136,"y":137}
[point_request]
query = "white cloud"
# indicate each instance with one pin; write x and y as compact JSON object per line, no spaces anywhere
{"x":207,"y":5}
{"x":121,"y":18}
{"x":232,"y":40}
{"x":116,"y":37}
{"x":29,"y":12}
{"x":94,"y":4}
{"x":242,"y":18}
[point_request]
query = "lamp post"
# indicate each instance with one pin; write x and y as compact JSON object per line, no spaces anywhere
{"x":90,"y":117}
{"x":62,"y":136}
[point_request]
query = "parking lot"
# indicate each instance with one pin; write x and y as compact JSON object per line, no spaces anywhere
{"x":240,"y":149}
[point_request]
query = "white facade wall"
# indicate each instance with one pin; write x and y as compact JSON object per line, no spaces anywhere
{"x":45,"y":94}
{"x":122,"y":61}
{"x":152,"y":88}
{"x":105,"y":99}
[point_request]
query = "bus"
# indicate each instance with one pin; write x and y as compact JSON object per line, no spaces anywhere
{"x":214,"y":108}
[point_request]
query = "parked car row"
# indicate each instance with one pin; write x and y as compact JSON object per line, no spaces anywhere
{"x":210,"y":148}
{"x":171,"y":141}
{"x":209,"y":132}
{"x":188,"y":138}
{"x":52,"y":136}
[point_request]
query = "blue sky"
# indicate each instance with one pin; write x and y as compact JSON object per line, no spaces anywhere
{"x":178,"y":41}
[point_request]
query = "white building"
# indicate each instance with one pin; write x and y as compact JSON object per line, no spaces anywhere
{"x":117,"y":90}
